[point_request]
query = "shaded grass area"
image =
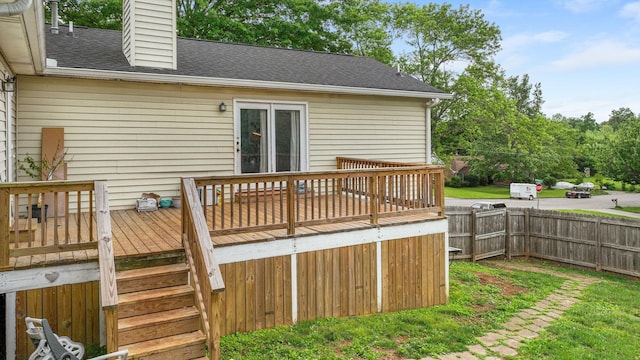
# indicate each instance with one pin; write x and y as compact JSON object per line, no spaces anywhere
{"x":604,"y":325}
{"x":481,"y":299}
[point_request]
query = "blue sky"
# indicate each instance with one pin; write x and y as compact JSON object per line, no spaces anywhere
{"x":585,"y":53}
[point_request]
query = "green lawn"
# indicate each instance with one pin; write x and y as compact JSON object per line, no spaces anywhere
{"x":592,"y":212}
{"x":606,"y":325}
{"x":494,"y":192}
{"x":632,"y":209}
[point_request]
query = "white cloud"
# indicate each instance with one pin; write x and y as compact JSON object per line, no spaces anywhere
{"x":518,"y":41}
{"x":631,"y":10}
{"x":597,"y":54}
{"x":583,"y":6}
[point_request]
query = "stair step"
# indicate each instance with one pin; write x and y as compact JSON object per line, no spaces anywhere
{"x":183,"y":346}
{"x":152,"y":278}
{"x":157,"y":325}
{"x":153,"y":301}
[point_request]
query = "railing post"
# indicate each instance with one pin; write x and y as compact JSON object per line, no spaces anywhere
{"x":439,"y":181}
{"x":214,"y":324}
{"x":108,"y":286}
{"x":5,"y":203}
{"x":291,"y":203}
{"x":373,"y":189}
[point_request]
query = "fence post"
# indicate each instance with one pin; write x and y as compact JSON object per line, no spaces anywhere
{"x":473,"y":235}
{"x":5,"y":237}
{"x":527,"y":234}
{"x":598,"y":247}
{"x":507,"y":235}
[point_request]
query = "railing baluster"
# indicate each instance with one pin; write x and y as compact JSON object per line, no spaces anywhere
{"x":79,"y":215}
{"x":67,"y":234}
{"x":55,"y":218}
{"x":91,"y":207}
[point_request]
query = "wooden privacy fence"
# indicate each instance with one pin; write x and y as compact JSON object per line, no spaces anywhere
{"x":601,"y":243}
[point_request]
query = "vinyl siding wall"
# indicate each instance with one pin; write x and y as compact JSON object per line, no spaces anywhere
{"x":144,"y":137}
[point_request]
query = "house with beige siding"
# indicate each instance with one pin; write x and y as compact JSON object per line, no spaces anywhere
{"x":311,"y":172}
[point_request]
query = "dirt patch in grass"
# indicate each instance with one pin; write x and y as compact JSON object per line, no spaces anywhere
{"x":506,"y":288}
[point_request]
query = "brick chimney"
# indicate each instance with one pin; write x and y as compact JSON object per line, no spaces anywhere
{"x":149,"y":33}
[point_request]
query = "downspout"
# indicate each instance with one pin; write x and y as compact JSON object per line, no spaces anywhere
{"x":431,"y":103}
{"x":10,"y":155}
{"x":14,"y":8}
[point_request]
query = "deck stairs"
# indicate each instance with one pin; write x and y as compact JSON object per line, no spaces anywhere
{"x":157,"y":316}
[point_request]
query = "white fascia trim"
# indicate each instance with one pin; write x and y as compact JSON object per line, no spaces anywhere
{"x":241,"y":83}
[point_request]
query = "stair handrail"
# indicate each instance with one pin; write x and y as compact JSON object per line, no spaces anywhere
{"x":106,"y":259}
{"x":203,"y":265}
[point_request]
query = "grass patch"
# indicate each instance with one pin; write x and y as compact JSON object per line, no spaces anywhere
{"x":481,"y":299}
{"x":592,"y":212}
{"x":604,"y":325}
{"x":632,"y":209}
{"x":494,"y":192}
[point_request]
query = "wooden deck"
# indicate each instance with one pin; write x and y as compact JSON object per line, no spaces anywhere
{"x":158,"y":232}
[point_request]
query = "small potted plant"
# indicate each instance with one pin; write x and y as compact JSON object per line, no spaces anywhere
{"x":42,"y":170}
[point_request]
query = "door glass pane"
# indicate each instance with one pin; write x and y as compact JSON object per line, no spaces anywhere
{"x":287,"y":146}
{"x":253,"y":141}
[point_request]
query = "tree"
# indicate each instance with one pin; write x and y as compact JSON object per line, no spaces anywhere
{"x":619,"y":117}
{"x":527,"y":97}
{"x":102,"y":14}
{"x":295,"y":24}
{"x":619,"y":154}
{"x":366,"y":24}
{"x":443,"y":42}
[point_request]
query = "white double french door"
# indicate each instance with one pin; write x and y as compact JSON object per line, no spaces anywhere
{"x":270,"y":137}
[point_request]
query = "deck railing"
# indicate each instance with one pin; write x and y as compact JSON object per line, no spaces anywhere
{"x":205,"y":271}
{"x":261,"y":202}
{"x":67,"y":213}
{"x":354,"y":163}
{"x":46,"y":217}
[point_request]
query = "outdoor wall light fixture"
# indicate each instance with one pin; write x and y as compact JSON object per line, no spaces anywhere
{"x":9,"y":84}
{"x":222,"y":107}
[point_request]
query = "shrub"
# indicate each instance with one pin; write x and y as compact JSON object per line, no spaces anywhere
{"x":599,"y":180}
{"x":454,"y":182}
{"x":609,"y":185}
{"x":472,"y":179}
{"x":579,"y":180}
{"x":549,"y":181}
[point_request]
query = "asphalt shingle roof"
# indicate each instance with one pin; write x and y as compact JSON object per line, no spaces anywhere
{"x":102,"y":50}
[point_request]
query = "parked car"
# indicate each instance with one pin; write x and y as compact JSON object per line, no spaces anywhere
{"x":488,"y":205}
{"x":578,"y":193}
